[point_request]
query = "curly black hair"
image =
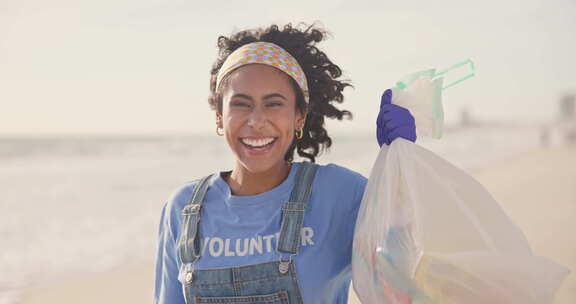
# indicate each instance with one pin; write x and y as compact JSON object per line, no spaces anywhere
{"x":321,"y":73}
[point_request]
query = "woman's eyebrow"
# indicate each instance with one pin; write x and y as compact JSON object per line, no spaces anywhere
{"x":265,"y":97}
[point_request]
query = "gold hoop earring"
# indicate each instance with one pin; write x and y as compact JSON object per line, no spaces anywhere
{"x":300,"y":133}
{"x":219,"y":134}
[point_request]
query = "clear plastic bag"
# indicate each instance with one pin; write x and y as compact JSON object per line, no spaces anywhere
{"x":427,"y":232}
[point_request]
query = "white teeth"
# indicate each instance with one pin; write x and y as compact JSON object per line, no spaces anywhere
{"x":257,"y":143}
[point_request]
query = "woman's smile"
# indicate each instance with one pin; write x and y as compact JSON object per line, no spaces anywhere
{"x":258,"y":145}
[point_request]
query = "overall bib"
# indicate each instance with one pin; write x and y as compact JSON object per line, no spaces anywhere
{"x":269,"y":282}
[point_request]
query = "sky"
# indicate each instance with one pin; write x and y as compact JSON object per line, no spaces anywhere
{"x":142,"y":67}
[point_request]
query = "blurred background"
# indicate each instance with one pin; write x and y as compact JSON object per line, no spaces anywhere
{"x":104,"y":112}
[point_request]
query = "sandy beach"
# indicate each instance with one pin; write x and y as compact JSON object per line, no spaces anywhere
{"x":537,"y":189}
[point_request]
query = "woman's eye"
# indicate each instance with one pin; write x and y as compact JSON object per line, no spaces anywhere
{"x":273,"y":104}
{"x":240,"y":104}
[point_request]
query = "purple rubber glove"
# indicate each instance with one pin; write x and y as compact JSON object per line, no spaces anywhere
{"x":393,"y":121}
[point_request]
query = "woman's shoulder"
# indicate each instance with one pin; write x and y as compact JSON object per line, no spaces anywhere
{"x":181,"y":195}
{"x":337,"y":185}
{"x":337,"y":174}
{"x":179,"y":198}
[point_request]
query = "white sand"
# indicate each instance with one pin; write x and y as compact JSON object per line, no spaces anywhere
{"x":537,"y":189}
{"x":130,"y":285}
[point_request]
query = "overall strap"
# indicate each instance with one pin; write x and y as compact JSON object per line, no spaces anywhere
{"x":189,"y":243}
{"x":293,"y":210}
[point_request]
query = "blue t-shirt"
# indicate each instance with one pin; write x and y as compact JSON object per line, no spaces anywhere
{"x":243,"y":230}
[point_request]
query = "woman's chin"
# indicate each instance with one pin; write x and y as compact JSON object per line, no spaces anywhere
{"x":259,"y":159}
{"x":253,"y":165}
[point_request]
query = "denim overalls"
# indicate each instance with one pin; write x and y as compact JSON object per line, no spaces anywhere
{"x":270,"y":282}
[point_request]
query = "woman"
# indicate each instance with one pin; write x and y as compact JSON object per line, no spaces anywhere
{"x":270,"y":230}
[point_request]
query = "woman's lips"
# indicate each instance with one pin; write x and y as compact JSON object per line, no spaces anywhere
{"x":258,"y":150}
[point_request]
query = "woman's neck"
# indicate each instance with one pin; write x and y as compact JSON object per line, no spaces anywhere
{"x":244,"y":183}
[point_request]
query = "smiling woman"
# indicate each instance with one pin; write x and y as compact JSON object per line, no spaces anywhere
{"x":321,"y":73}
{"x":243,"y":87}
{"x":271,"y":230}
{"x":259,"y":118}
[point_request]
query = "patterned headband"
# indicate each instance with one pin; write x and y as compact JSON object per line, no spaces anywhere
{"x":265,"y":53}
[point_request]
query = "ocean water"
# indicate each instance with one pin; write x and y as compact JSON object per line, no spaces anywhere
{"x":81,"y":205}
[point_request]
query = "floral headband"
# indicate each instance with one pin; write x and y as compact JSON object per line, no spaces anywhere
{"x":265,"y":53}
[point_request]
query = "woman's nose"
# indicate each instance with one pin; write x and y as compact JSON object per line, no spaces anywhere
{"x":257,"y":118}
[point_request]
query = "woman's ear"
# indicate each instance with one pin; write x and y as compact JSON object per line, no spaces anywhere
{"x":301,"y":120}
